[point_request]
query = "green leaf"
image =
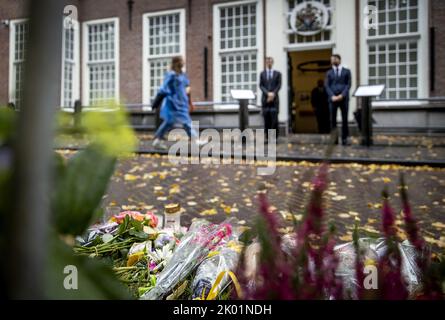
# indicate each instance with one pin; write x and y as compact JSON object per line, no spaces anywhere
{"x":123,"y":227}
{"x":95,"y":279}
{"x":139,"y":234}
{"x":79,"y":188}
{"x":137,"y":225}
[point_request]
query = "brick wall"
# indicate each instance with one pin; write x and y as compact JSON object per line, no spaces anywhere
{"x":198,"y":21}
{"x":199,"y":27}
{"x":198,"y":36}
{"x":438,"y":22}
{"x":130,"y":41}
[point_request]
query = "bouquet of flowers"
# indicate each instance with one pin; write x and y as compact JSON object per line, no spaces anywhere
{"x":214,"y":271}
{"x":196,"y":244}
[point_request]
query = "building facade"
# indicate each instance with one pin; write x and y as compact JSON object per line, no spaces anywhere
{"x":121,"y":49}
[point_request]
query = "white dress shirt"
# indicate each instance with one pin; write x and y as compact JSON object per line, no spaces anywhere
{"x":269,"y":74}
{"x":340,"y":68}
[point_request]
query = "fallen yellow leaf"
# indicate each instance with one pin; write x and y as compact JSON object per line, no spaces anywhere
{"x":386,"y":180}
{"x":208,"y":212}
{"x":438,"y":225}
{"x":130,"y":177}
{"x":346,"y":238}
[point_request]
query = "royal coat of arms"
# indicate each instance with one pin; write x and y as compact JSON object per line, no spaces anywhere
{"x":309,"y":18}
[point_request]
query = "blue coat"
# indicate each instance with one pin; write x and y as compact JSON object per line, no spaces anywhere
{"x":338,"y":85}
{"x":175,"y":107}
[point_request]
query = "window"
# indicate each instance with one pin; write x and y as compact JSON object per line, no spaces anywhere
{"x":238,"y":70}
{"x":18,"y":38}
{"x":324,"y":36}
{"x":164,"y":38}
{"x":393,"y":48}
{"x":101,"y":61}
{"x":237,"y":48}
{"x":395,"y":65}
{"x":395,"y":17}
{"x":70,"y":66}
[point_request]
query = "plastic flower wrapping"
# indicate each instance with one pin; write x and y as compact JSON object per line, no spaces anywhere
{"x":193,"y":248}
{"x":372,"y":251}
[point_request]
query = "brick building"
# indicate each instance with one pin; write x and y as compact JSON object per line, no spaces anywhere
{"x":122,"y":48}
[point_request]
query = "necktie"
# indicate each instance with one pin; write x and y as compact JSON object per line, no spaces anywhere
{"x":338,"y":72}
{"x":269,"y":75}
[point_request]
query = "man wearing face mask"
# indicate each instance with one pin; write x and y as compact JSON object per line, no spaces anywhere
{"x":338,"y":84}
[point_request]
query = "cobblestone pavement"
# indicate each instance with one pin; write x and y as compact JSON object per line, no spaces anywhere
{"x":387,"y":148}
{"x":217,"y":191}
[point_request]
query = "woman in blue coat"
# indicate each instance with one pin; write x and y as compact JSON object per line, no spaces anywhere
{"x":175,"y":107}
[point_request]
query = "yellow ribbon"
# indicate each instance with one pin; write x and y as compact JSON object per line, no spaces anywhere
{"x":214,"y":290}
{"x":212,"y":254}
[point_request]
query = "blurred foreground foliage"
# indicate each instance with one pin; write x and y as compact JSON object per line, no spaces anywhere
{"x":79,"y":184}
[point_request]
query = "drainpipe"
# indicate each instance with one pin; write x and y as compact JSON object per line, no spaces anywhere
{"x":357,"y":40}
{"x":264,"y":32}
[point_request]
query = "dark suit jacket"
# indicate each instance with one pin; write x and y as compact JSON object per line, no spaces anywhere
{"x":338,"y":85}
{"x":272,"y":85}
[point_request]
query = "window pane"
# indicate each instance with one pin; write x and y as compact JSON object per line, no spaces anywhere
{"x":402,"y":61}
{"x":240,"y":25}
{"x":393,"y":17}
{"x":238,"y":71}
{"x":101,"y":63}
{"x":164,"y":36}
{"x":21,"y":35}
{"x":102,"y":85}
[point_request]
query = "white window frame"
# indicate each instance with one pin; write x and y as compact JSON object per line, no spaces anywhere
{"x":145,"y":48}
{"x":217,"y":92}
{"x":76,"y":70}
{"x":85,"y":71}
{"x":422,"y":47}
{"x":12,"y":27}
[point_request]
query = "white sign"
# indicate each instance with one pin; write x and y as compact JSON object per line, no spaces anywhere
{"x":242,"y":94}
{"x":309,"y":18}
{"x":369,"y":91}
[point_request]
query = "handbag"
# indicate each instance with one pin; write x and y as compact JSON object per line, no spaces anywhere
{"x":157,"y":102}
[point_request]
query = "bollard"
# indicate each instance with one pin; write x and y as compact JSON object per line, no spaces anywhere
{"x":77,"y":113}
{"x":243,"y":114}
{"x":366,"y":122}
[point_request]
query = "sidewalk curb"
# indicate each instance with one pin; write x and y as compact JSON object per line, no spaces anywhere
{"x":314,"y":159}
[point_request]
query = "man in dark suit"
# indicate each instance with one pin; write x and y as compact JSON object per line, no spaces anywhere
{"x":338,"y":84}
{"x":320,"y":104}
{"x":270,"y":85}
